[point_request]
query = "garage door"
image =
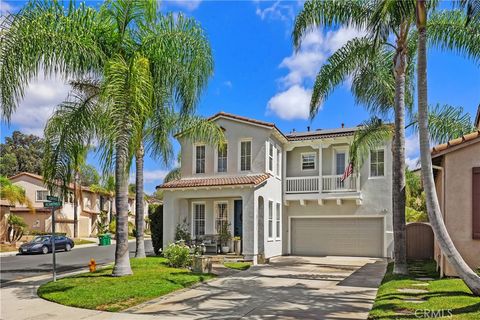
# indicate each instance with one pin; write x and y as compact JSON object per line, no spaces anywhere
{"x":337,"y":236}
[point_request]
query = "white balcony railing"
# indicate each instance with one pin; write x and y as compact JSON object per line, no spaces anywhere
{"x":302,"y":184}
{"x":335,"y":183}
{"x":329,"y":184}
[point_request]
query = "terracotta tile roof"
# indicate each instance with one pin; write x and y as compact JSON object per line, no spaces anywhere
{"x":215,"y":181}
{"x":322,"y":134}
{"x":446,"y":147}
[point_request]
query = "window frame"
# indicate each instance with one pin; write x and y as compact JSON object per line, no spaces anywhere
{"x":250,"y":140}
{"x":215,"y":216}
{"x":278,"y":166}
{"x":278,"y":221}
{"x":270,"y":220}
{"x":194,"y":166}
{"x":314,"y":160}
{"x":36,"y":195}
{"x":217,"y":153}
{"x":270,"y":157}
{"x":370,"y":163}
{"x":193,"y":218}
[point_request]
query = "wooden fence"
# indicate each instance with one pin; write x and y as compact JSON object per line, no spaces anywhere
{"x":419,"y":241}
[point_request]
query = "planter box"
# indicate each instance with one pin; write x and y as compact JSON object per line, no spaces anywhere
{"x":202,"y":264}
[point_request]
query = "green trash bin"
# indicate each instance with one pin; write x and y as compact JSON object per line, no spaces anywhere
{"x":102,"y":240}
{"x":108,"y":239}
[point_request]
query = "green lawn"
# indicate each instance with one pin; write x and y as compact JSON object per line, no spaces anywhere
{"x":448,"y":294}
{"x":82,"y":241}
{"x":151,"y":278}
{"x":238,"y":265}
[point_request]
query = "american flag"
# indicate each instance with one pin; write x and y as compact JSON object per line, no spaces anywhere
{"x":348,"y":171}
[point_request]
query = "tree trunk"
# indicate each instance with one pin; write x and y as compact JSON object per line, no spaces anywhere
{"x":139,"y":216}
{"x":75,"y":205}
{"x":398,"y":152}
{"x":122,"y":259}
{"x":471,"y":279}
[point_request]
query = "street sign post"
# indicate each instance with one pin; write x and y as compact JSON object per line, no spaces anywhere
{"x":54,"y":204}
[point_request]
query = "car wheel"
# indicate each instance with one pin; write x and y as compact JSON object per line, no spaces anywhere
{"x":44,"y":249}
{"x":68,"y":247}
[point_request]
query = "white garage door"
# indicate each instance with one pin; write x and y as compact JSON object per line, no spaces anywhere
{"x":361,"y":237}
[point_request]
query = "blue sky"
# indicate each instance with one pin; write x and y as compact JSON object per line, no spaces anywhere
{"x":258,"y":75}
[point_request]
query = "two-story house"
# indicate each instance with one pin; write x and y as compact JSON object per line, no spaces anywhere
{"x":283,"y":194}
{"x":88,"y":209}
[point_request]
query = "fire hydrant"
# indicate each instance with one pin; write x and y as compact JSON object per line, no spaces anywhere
{"x":92,"y":265}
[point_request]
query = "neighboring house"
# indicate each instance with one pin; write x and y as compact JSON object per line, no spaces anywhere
{"x":457,"y":178}
{"x":283,"y":194}
{"x":88,"y":208}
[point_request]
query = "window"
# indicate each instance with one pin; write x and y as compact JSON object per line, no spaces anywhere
{"x":221,"y":218}
{"x":270,"y":157}
{"x":340,"y":159}
{"x":279,"y":157}
{"x":200,"y":159}
{"x":308,"y":161}
{"x":278,"y":218}
{"x":199,"y":219}
{"x":245,"y":155}
{"x":222,"y":159}
{"x":41,"y":195}
{"x":270,"y":219}
{"x":377,"y":163}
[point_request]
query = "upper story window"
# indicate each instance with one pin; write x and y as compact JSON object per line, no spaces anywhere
{"x":200,"y":159}
{"x":222,"y":159}
{"x":340,"y":162}
{"x":308,"y":161}
{"x":246,"y":155}
{"x":279,"y":158}
{"x":377,"y":163}
{"x":270,"y":156}
{"x":41,"y":195}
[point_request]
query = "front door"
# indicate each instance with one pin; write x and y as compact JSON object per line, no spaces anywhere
{"x":237,"y":220}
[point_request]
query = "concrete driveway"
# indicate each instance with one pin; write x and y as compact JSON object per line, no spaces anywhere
{"x":288,"y":288}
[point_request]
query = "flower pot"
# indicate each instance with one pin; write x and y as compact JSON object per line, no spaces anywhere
{"x":225,"y":249}
{"x":238,"y":247}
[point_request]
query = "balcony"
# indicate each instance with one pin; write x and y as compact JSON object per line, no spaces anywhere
{"x":331,"y":183}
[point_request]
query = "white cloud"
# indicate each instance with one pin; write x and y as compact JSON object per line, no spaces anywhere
{"x":277,"y":11}
{"x":303,"y":67}
{"x":150,"y":176}
{"x":228,"y":84}
{"x":6,"y":8}
{"x":189,"y":5}
{"x":41,"y":98}
{"x":292,"y":103}
{"x":412,"y":151}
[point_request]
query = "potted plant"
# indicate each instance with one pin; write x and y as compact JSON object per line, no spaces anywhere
{"x":225,"y":236}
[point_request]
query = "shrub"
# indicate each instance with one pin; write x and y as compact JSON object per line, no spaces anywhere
{"x":182,"y":233}
{"x":178,"y":255}
{"x":413,"y":215}
{"x":16,"y":227}
{"x":156,"y":227}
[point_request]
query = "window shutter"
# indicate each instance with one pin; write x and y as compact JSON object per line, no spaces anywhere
{"x":476,"y":203}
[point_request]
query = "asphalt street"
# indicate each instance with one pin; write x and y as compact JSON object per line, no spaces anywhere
{"x":24,"y":266}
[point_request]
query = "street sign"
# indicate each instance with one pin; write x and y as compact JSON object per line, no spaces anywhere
{"x":53,"y":204}
{"x":53,"y":198}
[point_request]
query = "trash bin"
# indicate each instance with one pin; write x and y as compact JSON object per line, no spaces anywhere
{"x":102,"y":240}
{"x":108,"y":239}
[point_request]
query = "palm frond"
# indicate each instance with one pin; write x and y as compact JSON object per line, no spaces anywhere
{"x":472,"y":8}
{"x":173,"y":174}
{"x":319,"y":13}
{"x":445,"y":122}
{"x":372,"y":134}
{"x":339,"y":65}
{"x":47,"y":36}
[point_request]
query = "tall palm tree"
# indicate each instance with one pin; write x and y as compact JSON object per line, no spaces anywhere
{"x":383,"y":20}
{"x":471,"y":279}
{"x":141,"y":59}
{"x":12,"y":193}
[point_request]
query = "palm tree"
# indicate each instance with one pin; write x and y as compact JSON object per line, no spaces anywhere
{"x":140,"y":58}
{"x":471,"y":279}
{"x":13,"y":194}
{"x":383,"y":20}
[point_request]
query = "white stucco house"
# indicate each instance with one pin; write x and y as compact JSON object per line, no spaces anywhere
{"x":282,"y":193}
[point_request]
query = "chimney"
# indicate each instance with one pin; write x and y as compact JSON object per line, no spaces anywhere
{"x":293,"y":130}
{"x":308,"y":128}
{"x":343,"y":125}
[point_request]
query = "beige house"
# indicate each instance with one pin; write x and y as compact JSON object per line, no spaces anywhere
{"x":88,"y":210}
{"x":457,"y":179}
{"x":283,"y":193}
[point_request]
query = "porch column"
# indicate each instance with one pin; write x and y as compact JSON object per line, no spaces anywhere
{"x":169,"y":212}
{"x":250,"y":227}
